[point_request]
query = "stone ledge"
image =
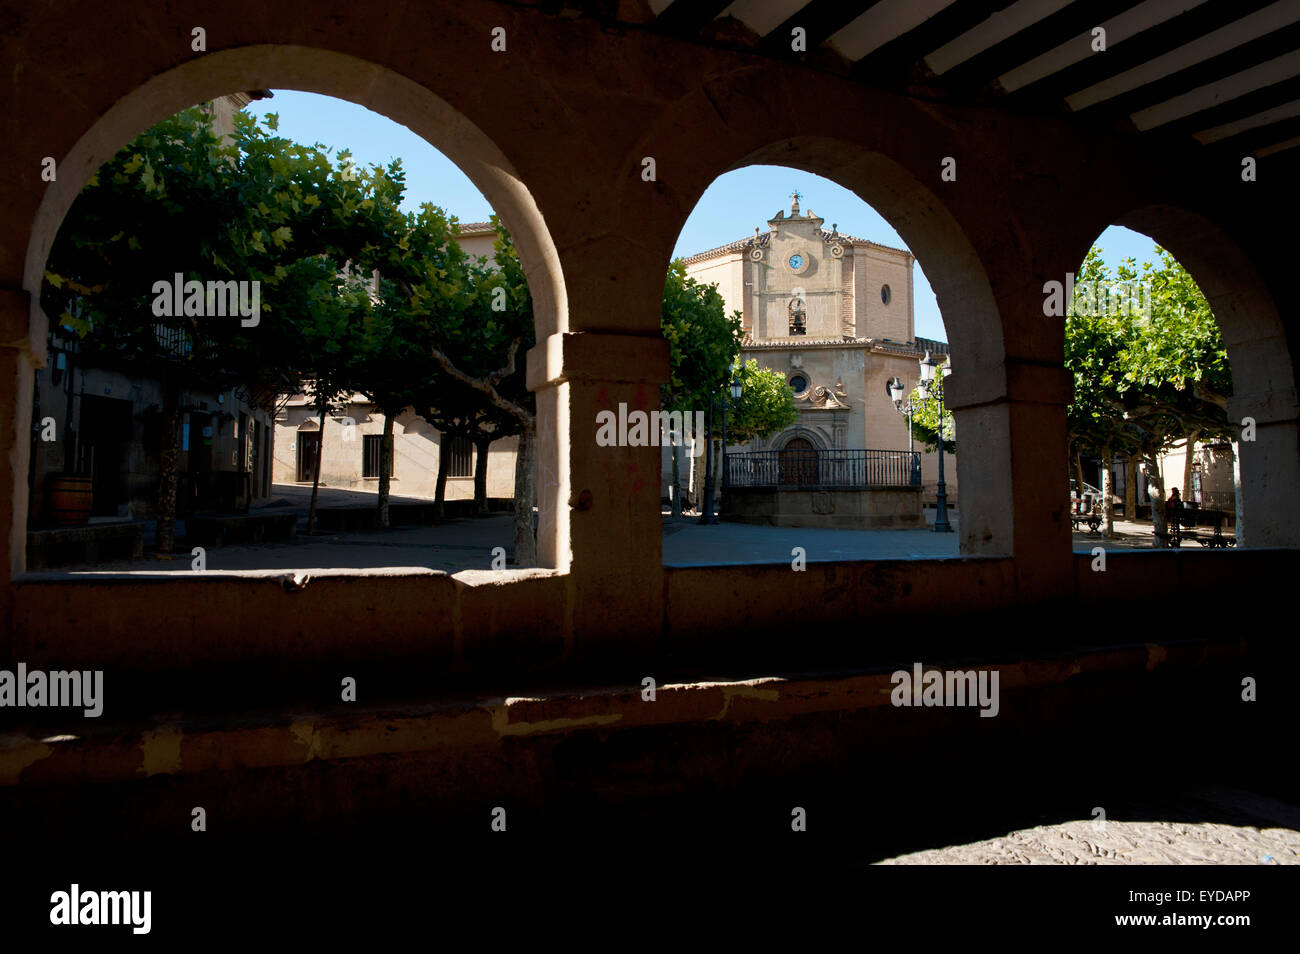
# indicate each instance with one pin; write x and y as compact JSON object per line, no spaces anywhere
{"x":106,"y":753}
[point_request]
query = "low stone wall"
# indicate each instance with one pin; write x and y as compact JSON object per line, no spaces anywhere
{"x":723,"y":759}
{"x":98,"y":543}
{"x":876,"y":508}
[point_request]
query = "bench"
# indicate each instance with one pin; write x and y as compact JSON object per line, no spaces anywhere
{"x":1083,"y":511}
{"x":1183,"y":521}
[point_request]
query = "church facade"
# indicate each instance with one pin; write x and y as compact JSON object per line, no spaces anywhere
{"x":833,"y":314}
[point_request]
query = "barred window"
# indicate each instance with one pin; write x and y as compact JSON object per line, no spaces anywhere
{"x":462,"y":457}
{"x":372,"y":448}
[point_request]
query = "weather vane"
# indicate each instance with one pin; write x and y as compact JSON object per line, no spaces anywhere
{"x":796,"y":195}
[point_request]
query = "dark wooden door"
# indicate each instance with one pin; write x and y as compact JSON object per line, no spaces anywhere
{"x":799,"y":462}
{"x":307,"y":441}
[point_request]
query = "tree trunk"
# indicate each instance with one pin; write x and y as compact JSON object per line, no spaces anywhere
{"x":525,"y":486}
{"x":481,"y":447}
{"x":1078,"y":471}
{"x":1130,"y":487}
{"x":1157,"y":494}
{"x":1190,"y":459}
{"x":676,"y":494}
{"x":385,"y":467}
{"x":168,"y":451}
{"x":1236,"y":493}
{"x":440,"y":484}
{"x":315,"y":477}
{"x":1107,"y":494}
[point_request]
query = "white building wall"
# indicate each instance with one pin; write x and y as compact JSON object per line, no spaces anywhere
{"x":415,"y":454}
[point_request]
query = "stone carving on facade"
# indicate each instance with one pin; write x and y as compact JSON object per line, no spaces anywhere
{"x":827,"y":398}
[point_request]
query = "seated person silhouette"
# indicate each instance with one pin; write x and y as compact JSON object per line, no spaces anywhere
{"x":1174,"y":508}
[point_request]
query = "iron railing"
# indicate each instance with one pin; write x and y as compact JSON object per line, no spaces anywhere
{"x":824,"y":469}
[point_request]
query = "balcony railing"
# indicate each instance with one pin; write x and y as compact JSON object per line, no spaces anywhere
{"x":814,"y":469}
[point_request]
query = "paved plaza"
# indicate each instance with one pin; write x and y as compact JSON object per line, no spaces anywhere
{"x":688,"y":543}
{"x":462,"y":543}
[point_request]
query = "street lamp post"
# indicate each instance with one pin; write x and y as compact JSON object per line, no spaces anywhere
{"x":896,"y":389}
{"x":928,"y":378}
{"x":736,"y":388}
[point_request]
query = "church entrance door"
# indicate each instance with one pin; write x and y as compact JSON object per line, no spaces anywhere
{"x":799,"y":462}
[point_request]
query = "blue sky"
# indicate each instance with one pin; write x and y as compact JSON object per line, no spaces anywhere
{"x":729,"y":209}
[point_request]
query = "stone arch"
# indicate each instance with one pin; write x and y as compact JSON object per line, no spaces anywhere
{"x":329,"y":73}
{"x":965,"y":293}
{"x":799,"y":432}
{"x":1263,"y":368}
{"x":343,"y":76}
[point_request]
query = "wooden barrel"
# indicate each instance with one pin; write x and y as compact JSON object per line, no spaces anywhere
{"x":70,"y":499}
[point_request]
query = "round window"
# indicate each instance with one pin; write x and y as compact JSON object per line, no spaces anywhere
{"x":799,"y":384}
{"x":885,"y":294}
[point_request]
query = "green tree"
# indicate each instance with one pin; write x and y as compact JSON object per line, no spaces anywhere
{"x":1142,"y":383}
{"x":478,"y":345}
{"x":925,"y":417}
{"x":1176,"y":377}
{"x":1095,"y":419}
{"x":766,"y":405}
{"x":422,"y":274}
{"x":703,"y":342}
{"x":179,"y":201}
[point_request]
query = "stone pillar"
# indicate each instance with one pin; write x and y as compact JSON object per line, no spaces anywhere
{"x":1270,"y":468}
{"x":601,"y":518}
{"x":1010,"y":421}
{"x":16,"y":380}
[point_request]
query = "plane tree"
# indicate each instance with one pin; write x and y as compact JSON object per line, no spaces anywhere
{"x":178,"y":204}
{"x":1143,"y":383}
{"x":703,"y":342}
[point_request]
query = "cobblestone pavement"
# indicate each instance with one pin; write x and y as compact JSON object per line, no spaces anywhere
{"x":1274,"y":839}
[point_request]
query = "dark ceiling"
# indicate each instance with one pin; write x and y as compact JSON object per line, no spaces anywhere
{"x":1216,"y":75}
